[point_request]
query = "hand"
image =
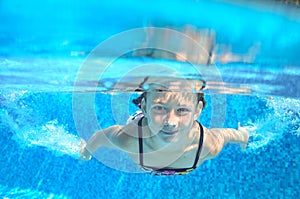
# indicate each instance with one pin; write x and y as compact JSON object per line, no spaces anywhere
{"x":85,"y":155}
{"x":245,"y":136}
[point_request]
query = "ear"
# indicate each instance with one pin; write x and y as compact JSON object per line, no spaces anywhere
{"x":198,"y":111}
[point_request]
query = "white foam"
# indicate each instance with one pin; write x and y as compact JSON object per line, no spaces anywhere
{"x":283,"y":117}
{"x":258,"y":138}
{"x":52,"y":136}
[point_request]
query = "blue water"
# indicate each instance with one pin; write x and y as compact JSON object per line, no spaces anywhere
{"x":43,"y":45}
{"x":37,"y":163}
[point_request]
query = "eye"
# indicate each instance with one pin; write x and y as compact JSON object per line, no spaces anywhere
{"x":183,"y":110}
{"x":159,"y":109}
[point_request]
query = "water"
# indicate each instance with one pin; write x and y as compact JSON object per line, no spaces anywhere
{"x":40,"y":145}
{"x":39,"y":121}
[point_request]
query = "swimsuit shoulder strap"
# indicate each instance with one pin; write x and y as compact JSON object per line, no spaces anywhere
{"x":199,"y":146}
{"x":140,"y":136}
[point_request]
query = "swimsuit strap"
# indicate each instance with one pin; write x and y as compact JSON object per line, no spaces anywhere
{"x":140,"y":134}
{"x":199,"y":146}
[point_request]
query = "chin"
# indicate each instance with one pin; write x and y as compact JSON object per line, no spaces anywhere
{"x":171,"y":137}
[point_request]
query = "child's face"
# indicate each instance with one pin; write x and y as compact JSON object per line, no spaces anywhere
{"x":171,"y":115}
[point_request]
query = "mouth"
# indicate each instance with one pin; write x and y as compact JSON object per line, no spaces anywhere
{"x":169,"y":132}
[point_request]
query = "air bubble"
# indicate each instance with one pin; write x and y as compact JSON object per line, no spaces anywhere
{"x":146,"y":86}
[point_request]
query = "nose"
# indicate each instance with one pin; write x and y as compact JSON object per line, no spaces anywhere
{"x":171,"y":119}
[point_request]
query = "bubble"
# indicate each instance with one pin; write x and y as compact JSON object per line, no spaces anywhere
{"x":146,"y":86}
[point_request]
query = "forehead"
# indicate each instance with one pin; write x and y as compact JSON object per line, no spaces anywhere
{"x":174,"y":85}
{"x":171,"y":97}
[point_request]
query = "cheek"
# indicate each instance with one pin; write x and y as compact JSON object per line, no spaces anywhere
{"x":156,"y":119}
{"x":155,"y":123}
{"x":187,"y":120}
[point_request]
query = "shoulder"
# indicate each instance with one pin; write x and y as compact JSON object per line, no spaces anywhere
{"x":212,"y":143}
{"x":124,"y":137}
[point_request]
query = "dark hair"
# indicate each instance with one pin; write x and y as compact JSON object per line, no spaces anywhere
{"x":201,"y":98}
{"x":138,"y":100}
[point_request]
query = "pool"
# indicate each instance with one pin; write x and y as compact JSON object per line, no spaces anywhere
{"x":45,"y":45}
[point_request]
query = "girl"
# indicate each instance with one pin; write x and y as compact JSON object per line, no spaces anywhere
{"x":165,"y":138}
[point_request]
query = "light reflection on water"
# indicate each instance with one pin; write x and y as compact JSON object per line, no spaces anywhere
{"x":35,"y":92}
{"x":58,"y":75}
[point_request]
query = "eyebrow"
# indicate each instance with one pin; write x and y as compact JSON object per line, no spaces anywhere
{"x":185,"y":106}
{"x":158,"y":101}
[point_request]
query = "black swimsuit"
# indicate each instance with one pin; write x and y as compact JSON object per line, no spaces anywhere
{"x":167,"y":170}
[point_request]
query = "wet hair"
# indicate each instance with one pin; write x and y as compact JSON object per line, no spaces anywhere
{"x":138,"y":101}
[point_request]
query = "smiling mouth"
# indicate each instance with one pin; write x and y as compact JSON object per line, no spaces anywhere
{"x":169,"y":132}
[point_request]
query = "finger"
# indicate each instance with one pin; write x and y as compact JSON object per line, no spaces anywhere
{"x":82,"y":143}
{"x":243,"y":146}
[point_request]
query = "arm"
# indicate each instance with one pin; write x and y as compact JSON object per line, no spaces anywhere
{"x":98,"y":139}
{"x":218,"y":138}
{"x":239,"y":136}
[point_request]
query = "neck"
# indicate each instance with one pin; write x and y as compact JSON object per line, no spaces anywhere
{"x":181,"y":143}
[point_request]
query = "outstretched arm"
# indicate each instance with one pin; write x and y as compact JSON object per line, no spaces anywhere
{"x":217,"y":138}
{"x":240,"y":136}
{"x":98,"y":139}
